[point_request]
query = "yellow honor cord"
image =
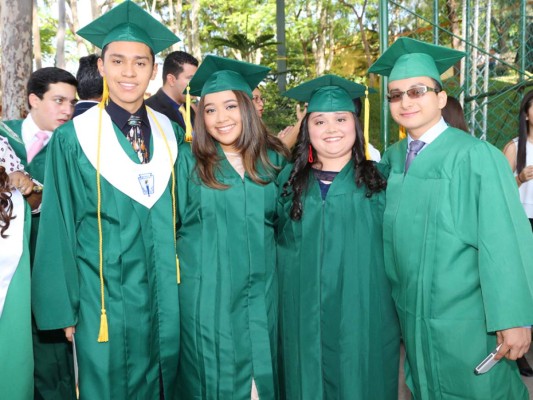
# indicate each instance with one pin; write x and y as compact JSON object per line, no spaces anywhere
{"x":103,"y":334}
{"x":178,"y":275}
{"x":402,"y":134}
{"x":188,"y":125}
{"x":367,"y":124}
{"x":105,"y":96}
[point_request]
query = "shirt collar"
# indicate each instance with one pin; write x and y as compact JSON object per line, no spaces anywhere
{"x":29,"y":126}
{"x":120,"y":117}
{"x":431,"y":134}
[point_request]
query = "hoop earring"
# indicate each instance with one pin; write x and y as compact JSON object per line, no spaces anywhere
{"x":310,"y":157}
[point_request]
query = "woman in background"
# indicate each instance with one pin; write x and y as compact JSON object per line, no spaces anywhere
{"x":519,"y":153}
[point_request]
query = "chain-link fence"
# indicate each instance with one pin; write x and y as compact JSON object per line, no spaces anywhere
{"x":490,"y":81}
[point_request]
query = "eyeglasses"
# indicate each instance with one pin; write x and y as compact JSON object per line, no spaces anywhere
{"x":395,"y":96}
{"x":258,"y":99}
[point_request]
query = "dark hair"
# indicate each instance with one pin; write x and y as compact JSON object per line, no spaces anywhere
{"x":523,"y":130}
{"x":90,"y":82}
{"x":358,"y":103}
{"x":252,"y":144}
{"x":438,"y":86}
{"x":365,"y":171}
{"x":174,"y":63}
{"x":6,"y":204}
{"x":453,"y":114}
{"x":104,"y":50}
{"x":40,"y":80}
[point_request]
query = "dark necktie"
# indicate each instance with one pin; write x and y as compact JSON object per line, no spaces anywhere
{"x":136,"y":138}
{"x":414,"y":147}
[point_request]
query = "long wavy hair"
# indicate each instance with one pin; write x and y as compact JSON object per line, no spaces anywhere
{"x":523,"y":130}
{"x":6,"y":204}
{"x":365,"y":171}
{"x":252,"y":144}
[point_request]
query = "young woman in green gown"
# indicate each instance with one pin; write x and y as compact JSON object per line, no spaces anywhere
{"x":338,"y":328}
{"x":226,"y":198}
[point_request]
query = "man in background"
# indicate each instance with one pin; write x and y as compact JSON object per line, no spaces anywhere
{"x":51,"y":97}
{"x":90,"y":84}
{"x":178,"y":69}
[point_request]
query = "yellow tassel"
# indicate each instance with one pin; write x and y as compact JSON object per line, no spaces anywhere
{"x":173,"y":188}
{"x":402,"y":134}
{"x":188,"y":125}
{"x":178,"y":274}
{"x":103,"y":335}
{"x":367,"y":124}
{"x":105,"y":95}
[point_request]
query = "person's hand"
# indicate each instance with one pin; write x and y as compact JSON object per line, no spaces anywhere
{"x":515,"y":343}
{"x":285,"y":132}
{"x":300,"y":114}
{"x":526,"y":174}
{"x":69,"y":331}
{"x":22,"y":182}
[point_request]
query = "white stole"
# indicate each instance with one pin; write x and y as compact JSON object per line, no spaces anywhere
{"x":11,"y":247}
{"x":144,"y":183}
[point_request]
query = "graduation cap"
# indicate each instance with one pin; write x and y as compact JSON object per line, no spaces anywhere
{"x":128,"y":22}
{"x":217,"y":74}
{"x":409,"y":58}
{"x":328,"y":93}
{"x":331,"y":93}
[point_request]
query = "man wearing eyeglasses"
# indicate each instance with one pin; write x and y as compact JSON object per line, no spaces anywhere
{"x":458,"y":246}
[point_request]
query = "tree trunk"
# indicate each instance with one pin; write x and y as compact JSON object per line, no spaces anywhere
{"x":195,"y":49}
{"x":319,"y":45}
{"x":452,"y":9}
{"x":16,"y":55}
{"x":74,"y":25}
{"x":360,"y":21}
{"x":60,"y":51}
{"x":36,"y":38}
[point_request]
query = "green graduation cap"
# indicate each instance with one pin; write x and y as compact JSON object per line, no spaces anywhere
{"x":409,"y":58}
{"x":128,"y":22}
{"x":328,"y":93}
{"x":217,"y":74}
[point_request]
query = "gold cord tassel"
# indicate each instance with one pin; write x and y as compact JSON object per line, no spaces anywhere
{"x":188,"y":125}
{"x":103,"y":335}
{"x":173,"y":189}
{"x":402,"y":134}
{"x":367,"y":124}
{"x":105,"y":95}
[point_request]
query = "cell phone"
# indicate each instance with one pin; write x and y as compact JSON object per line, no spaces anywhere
{"x":489,"y":362}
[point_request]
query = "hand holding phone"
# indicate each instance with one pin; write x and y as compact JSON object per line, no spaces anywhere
{"x":489,"y":362}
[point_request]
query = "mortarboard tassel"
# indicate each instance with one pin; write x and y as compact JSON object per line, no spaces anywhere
{"x":367,"y":124}
{"x":188,"y":125}
{"x":402,"y":134}
{"x":105,"y":95}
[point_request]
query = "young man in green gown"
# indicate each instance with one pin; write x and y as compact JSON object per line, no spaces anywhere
{"x":458,"y":247}
{"x":51,"y":95}
{"x":106,"y":269}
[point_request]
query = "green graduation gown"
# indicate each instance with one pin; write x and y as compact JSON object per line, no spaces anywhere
{"x":228,"y":290}
{"x":459,"y":255}
{"x":54,"y":374}
{"x":141,"y":291}
{"x":338,"y":327}
{"x":16,"y":351}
